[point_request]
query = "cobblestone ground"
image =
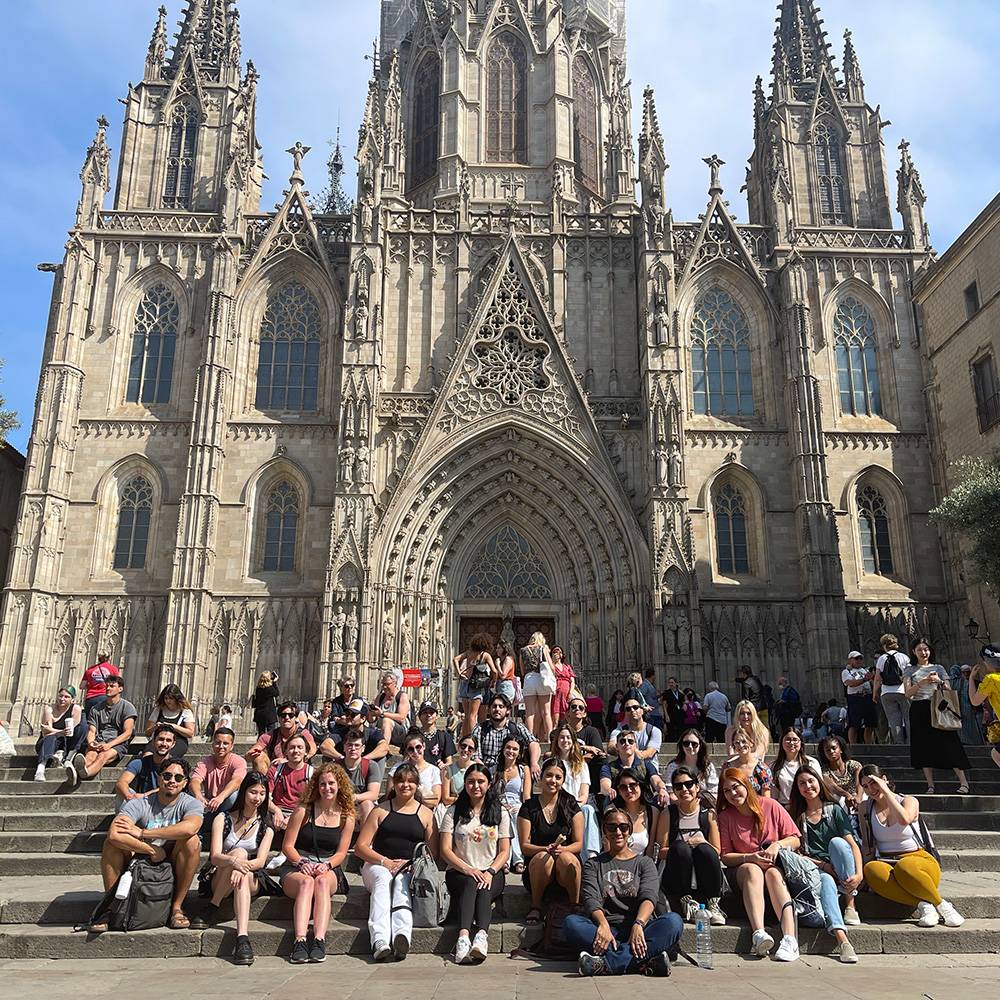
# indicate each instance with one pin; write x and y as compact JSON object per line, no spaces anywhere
{"x":426,"y":977}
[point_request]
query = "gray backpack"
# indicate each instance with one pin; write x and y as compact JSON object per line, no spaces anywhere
{"x":430,"y":900}
{"x":148,"y":902}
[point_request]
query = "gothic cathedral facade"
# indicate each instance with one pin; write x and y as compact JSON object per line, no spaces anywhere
{"x":503,"y":389}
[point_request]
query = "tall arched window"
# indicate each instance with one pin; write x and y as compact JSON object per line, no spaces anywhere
{"x":288,"y":369}
{"x":154,"y":337}
{"x":829,"y":145}
{"x":720,"y":357}
{"x":506,"y":100}
{"x":178,"y":183}
{"x":857,"y":360}
{"x":135,"y":506}
{"x":731,"y":530}
{"x":426,"y":104}
{"x":585,"y":125}
{"x":281,"y":527}
{"x":873,"y":527}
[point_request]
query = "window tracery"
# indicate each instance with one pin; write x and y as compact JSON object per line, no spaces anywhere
{"x":178,"y":182}
{"x":281,"y":525}
{"x":585,"y":125}
{"x":857,"y":359}
{"x":154,"y":339}
{"x":720,"y":357}
{"x":288,"y":365}
{"x":829,"y":145}
{"x":135,"y":507}
{"x":426,"y":114}
{"x":507,"y":567}
{"x":873,"y":528}
{"x":506,"y":100}
{"x":731,"y":530}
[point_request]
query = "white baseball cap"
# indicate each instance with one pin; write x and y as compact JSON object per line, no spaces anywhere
{"x":854,"y":654}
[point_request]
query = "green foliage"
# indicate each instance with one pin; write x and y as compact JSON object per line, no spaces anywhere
{"x":972,"y":510}
{"x":8,"y":418}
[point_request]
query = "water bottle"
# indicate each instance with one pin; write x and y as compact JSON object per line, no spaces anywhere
{"x":703,"y":937}
{"x":124,"y":885}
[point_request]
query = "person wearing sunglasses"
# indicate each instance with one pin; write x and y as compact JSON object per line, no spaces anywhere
{"x":429,"y":791}
{"x":161,"y":827}
{"x":628,"y":791}
{"x":692,"y":753}
{"x":617,"y":932}
{"x":272,"y":747}
{"x":453,"y":774}
{"x":393,"y":706}
{"x":626,"y":757}
{"x":688,"y":833}
{"x":588,"y":738}
{"x":647,"y":736}
{"x":376,"y":746}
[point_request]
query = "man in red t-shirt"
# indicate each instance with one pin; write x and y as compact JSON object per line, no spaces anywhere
{"x":272,"y":747}
{"x":286,"y":780}
{"x":93,"y":684}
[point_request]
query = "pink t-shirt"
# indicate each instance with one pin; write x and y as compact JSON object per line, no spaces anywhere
{"x":286,"y":784}
{"x":215,"y":777}
{"x":737,"y":834}
{"x":95,"y":677}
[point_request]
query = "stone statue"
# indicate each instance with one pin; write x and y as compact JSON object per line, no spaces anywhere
{"x":346,"y":464}
{"x":351,"y":631}
{"x":662,"y":467}
{"x":406,"y":643}
{"x":662,"y":320}
{"x":361,"y":319}
{"x":387,"y":639}
{"x":630,"y":644}
{"x":576,"y":646}
{"x":593,"y":647}
{"x":337,"y":635}
{"x":612,"y":643}
{"x":669,"y":632}
{"x":683,"y":635}
{"x":674,"y":472}
{"x":423,"y":645}
{"x":361,"y":463}
{"x":441,"y":648}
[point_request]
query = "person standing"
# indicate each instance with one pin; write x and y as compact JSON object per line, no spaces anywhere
{"x":931,"y":748}
{"x":537,"y":670}
{"x":984,"y":685}
{"x":753,"y":692}
{"x":265,"y":702}
{"x":862,"y":712}
{"x":506,"y":669}
{"x":565,"y":682}
{"x":788,"y":706}
{"x":648,"y":691}
{"x":92,"y":684}
{"x":476,"y":671}
{"x":887,"y":686}
{"x":672,"y":701}
{"x":718,"y":713}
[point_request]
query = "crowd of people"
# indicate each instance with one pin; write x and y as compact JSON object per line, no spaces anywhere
{"x":571,"y":800}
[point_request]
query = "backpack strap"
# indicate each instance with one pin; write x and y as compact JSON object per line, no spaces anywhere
{"x":365,"y":766}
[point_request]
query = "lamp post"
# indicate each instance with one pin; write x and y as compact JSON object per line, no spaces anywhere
{"x":972,"y":629}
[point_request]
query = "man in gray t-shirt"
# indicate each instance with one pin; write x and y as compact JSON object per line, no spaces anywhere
{"x":110,"y":729}
{"x":163,"y":826}
{"x":366,"y":775}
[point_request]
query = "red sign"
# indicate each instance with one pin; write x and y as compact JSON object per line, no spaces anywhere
{"x":412,"y":678}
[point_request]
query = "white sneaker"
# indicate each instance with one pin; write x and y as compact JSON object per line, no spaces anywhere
{"x":381,"y":951}
{"x":851,"y":918}
{"x":716,"y":917}
{"x":462,"y":948}
{"x":788,"y":950}
{"x":480,"y":946}
{"x":951,"y":916}
{"x":56,"y":760}
{"x":762,"y":943}
{"x":689,"y":909}
{"x":927,"y":916}
{"x":40,"y":772}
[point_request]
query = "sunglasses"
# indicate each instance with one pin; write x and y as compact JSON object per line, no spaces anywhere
{"x":627,"y":741}
{"x":633,"y":708}
{"x":679,"y":785}
{"x":616,"y":827}
{"x":628,"y":786}
{"x":172,"y":777}
{"x":691,"y":743}
{"x":287,"y":715}
{"x":578,"y":708}
{"x":415,"y":749}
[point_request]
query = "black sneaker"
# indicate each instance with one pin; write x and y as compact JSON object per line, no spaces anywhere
{"x":591,"y":965}
{"x":300,"y":952}
{"x":317,"y":950}
{"x":656,"y":965}
{"x":243,"y":952}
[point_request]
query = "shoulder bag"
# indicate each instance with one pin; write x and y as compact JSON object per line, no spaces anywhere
{"x":946,"y":712}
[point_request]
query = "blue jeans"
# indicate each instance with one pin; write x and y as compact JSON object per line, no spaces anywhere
{"x":48,"y":745}
{"x":591,"y":833}
{"x":662,"y":934}
{"x":842,"y":860}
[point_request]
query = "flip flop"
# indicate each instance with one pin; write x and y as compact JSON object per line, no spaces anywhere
{"x":930,"y":790}
{"x":179,"y":921}
{"x":534,"y":917}
{"x":963,"y":789}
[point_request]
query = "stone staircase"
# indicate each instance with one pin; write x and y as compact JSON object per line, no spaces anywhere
{"x":51,"y":837}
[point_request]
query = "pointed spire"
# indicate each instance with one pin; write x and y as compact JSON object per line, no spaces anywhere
{"x":334,"y":200}
{"x":759,"y":108}
{"x":910,"y":200}
{"x":207,"y":28}
{"x":157,"y":48}
{"x":394,"y":145}
{"x":800,"y":30}
{"x":621,"y":152}
{"x":852,"y":71}
{"x":652,"y":157}
{"x":95,"y":176}
{"x":650,"y":134}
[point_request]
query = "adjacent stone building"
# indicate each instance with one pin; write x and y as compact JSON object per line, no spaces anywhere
{"x":958,"y":301}
{"x":11,"y":482}
{"x":505,"y":390}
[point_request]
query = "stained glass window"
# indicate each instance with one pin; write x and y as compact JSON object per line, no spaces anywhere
{"x":857,"y":361}
{"x":507,"y":100}
{"x":585,"y":126}
{"x":720,"y":357}
{"x":288,"y":368}
{"x":829,"y":147}
{"x":154,"y":337}
{"x":426,"y":101}
{"x":731,"y":530}
{"x":507,"y":567}
{"x":178,"y":183}
{"x":281,"y":525}
{"x":135,"y":506}
{"x":873,"y":526}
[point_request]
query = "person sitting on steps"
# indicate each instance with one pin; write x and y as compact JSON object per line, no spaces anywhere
{"x":172,"y":709}
{"x":61,"y":732}
{"x":141,"y":776}
{"x":163,"y":826}
{"x":272,"y":747}
{"x":110,"y":727}
{"x":365,"y":775}
{"x":217,"y":778}
{"x":287,"y":780}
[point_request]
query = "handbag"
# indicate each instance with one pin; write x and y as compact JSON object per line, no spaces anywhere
{"x":546,"y":673}
{"x":946,"y":713}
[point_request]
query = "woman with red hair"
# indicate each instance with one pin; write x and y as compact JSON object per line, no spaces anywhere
{"x":751,"y":832}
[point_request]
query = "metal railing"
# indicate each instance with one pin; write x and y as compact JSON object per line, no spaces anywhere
{"x":988,"y":410}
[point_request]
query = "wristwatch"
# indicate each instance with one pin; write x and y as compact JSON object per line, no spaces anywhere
{"x":641,"y":923}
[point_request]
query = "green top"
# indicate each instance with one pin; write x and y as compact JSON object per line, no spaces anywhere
{"x":833,"y":823}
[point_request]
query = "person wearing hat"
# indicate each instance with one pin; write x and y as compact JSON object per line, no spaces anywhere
{"x":862,"y":712}
{"x":61,"y":734}
{"x":356,"y":715}
{"x":984,"y":685}
{"x":439,"y":747}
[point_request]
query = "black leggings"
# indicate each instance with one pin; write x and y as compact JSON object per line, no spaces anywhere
{"x":682,"y":860}
{"x":475,"y":905}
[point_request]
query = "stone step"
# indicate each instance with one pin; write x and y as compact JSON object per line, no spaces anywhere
{"x":54,"y":822}
{"x":82,"y":800}
{"x":19,"y":789}
{"x":961,"y":820}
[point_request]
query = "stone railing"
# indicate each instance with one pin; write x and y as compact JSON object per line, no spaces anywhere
{"x":180,"y":223}
{"x":849,"y":239}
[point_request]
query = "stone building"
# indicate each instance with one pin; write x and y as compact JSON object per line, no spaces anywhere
{"x":958,"y":301}
{"x":11,"y":482}
{"x":505,"y":389}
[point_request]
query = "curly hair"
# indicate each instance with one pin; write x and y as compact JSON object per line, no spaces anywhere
{"x":345,"y":791}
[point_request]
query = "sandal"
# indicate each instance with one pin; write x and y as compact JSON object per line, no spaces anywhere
{"x":98,"y":928}
{"x":518,"y":868}
{"x":534,"y":917}
{"x":179,"y":921}
{"x":930,"y":789}
{"x":963,"y":789}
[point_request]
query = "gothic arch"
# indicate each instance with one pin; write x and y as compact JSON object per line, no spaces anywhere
{"x":755,"y":507}
{"x":506,"y":131}
{"x":424,"y":87}
{"x":893,"y":493}
{"x":254,"y":497}
{"x":587,"y":132}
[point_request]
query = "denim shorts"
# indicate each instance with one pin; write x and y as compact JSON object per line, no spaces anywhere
{"x":464,"y":694}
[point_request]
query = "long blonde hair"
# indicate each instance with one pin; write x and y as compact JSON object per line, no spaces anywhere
{"x":537,"y":639}
{"x":345,"y":791}
{"x":757,"y":731}
{"x":265,"y":679}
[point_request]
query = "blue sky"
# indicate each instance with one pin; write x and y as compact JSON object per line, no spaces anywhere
{"x":930,"y":65}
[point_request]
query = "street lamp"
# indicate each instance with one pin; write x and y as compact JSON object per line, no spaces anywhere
{"x":972,"y":628}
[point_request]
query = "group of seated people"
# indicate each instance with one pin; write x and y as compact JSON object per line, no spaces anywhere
{"x":637,"y":853}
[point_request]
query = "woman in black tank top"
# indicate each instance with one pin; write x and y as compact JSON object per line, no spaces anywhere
{"x":317,"y":840}
{"x":391,"y":834}
{"x":53,"y":739}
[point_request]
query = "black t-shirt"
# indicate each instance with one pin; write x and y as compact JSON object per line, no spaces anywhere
{"x":438,"y":747}
{"x":543,"y":832}
{"x":373,"y":737}
{"x":591,"y":737}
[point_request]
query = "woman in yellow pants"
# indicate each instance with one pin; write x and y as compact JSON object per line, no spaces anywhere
{"x":897,"y":864}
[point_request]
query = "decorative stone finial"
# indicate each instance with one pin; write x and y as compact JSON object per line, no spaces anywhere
{"x":297,"y":152}
{"x":714,"y":163}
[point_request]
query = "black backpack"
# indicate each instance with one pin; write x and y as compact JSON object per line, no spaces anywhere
{"x":147,"y":905}
{"x":891,"y":674}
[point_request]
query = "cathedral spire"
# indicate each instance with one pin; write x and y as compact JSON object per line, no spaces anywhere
{"x":394,"y":141}
{"x":334,"y":200}
{"x":852,"y":71}
{"x":759,"y":108}
{"x":157,"y":48}
{"x":621,"y":162}
{"x":652,"y":157}
{"x":910,"y":200}
{"x":95,"y":176}
{"x":803,"y":42}
{"x":210,"y":30}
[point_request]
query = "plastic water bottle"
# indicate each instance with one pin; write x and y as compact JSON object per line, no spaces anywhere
{"x":124,"y":885}
{"x":703,"y":937}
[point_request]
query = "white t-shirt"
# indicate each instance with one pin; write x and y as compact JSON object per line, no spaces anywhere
{"x":574,"y":781}
{"x":429,"y":777}
{"x":475,"y":844}
{"x":786,"y":776}
{"x":649,"y":737}
{"x":856,"y":674}
{"x":903,"y":661}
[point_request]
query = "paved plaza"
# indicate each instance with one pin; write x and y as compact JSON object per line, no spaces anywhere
{"x":426,"y":977}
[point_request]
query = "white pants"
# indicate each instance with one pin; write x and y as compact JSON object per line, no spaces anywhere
{"x":385,"y":921}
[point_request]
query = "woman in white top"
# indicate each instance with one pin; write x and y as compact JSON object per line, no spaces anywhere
{"x":931,"y":748}
{"x":791,"y":756}
{"x":628,"y":785}
{"x":692,"y":753}
{"x":898,"y":865}
{"x":887,"y":689}
{"x":174,"y":711}
{"x":429,"y":790}
{"x":577,"y":783}
{"x":240,"y":842}
{"x":453,"y":774}
{"x":513,"y":782}
{"x":745,"y":719}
